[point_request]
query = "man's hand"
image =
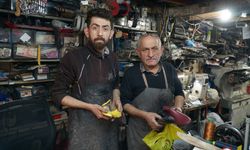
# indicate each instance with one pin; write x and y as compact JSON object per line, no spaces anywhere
{"x":179,"y":109}
{"x":151,"y":119}
{"x":116,"y":99}
{"x":118,"y":104}
{"x":98,"y":110}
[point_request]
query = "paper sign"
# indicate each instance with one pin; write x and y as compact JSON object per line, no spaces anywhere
{"x":25,"y":37}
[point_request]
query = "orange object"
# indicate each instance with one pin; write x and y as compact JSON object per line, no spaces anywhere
{"x":209,"y":131}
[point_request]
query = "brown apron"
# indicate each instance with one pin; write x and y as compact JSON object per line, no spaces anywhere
{"x":150,"y":100}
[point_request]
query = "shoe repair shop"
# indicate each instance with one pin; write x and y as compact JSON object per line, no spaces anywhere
{"x":208,"y":43}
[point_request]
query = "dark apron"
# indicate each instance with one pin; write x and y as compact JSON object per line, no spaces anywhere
{"x":86,"y":132}
{"x":150,"y":100}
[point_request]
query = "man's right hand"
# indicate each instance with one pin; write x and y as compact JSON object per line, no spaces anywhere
{"x":151,"y":119}
{"x":98,"y":111}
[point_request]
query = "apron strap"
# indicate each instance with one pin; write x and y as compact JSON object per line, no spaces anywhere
{"x":145,"y":80}
{"x":165,"y":77}
{"x":164,"y":74}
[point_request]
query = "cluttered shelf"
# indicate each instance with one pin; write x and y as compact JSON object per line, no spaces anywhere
{"x":134,"y":29}
{"x":28,"y":60}
{"x":38,"y":16}
{"x":10,"y":82}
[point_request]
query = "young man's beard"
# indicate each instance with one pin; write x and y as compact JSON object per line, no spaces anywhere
{"x":98,"y":45}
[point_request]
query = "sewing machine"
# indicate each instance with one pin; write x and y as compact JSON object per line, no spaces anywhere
{"x":232,"y":83}
{"x":195,"y":86}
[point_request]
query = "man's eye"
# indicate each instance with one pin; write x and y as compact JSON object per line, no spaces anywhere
{"x":155,"y":48}
{"x":106,"y":29}
{"x":94,"y":28}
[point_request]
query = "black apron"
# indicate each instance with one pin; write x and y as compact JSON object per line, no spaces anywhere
{"x":86,"y":132}
{"x":150,"y":100}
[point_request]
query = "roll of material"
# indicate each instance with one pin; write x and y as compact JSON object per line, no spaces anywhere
{"x":79,"y":23}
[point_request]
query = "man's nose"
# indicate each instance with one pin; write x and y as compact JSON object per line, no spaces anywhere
{"x":150,"y":53}
{"x":100,"y":32}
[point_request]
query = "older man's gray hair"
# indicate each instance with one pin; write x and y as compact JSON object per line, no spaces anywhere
{"x":147,"y":35}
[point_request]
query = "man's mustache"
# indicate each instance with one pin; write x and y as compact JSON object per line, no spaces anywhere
{"x":97,"y":39}
{"x":153,"y":58}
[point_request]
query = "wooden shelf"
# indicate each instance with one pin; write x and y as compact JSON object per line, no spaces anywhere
{"x":10,"y":82}
{"x":33,"y":27}
{"x":133,"y":29}
{"x":38,"y":16}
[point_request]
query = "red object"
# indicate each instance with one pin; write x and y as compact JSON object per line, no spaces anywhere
{"x":57,"y":116}
{"x":124,"y":9}
{"x":115,"y":8}
{"x":15,"y":26}
{"x":66,"y":30}
{"x":180,"y":118}
{"x":248,"y":89}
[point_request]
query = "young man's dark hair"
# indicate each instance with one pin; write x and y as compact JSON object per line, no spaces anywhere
{"x":99,"y":12}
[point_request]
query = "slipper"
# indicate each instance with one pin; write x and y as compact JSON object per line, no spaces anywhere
{"x":179,"y":118}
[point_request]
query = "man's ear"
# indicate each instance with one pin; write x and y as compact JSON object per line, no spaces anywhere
{"x":137,"y":51}
{"x":86,"y":32}
{"x":162,"y":48}
{"x":111,"y":34}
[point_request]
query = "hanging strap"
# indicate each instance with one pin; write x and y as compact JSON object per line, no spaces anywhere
{"x":164,"y":74}
{"x":165,"y":77}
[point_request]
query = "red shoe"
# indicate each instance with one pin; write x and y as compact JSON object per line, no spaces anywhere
{"x":179,"y":118}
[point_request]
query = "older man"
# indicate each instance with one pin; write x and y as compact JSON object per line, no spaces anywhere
{"x":145,"y":88}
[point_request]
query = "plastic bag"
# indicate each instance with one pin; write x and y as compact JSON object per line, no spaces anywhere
{"x":162,"y":140}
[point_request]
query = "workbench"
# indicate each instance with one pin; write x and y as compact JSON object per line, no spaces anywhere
{"x":198,"y":109}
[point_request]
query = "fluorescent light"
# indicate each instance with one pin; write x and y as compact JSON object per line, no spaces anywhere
{"x":243,"y":15}
{"x":225,"y":15}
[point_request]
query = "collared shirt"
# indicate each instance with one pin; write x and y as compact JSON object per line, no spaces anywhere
{"x":143,"y":69}
{"x":132,"y":83}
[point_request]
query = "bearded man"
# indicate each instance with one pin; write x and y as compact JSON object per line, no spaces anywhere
{"x":87,"y":78}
